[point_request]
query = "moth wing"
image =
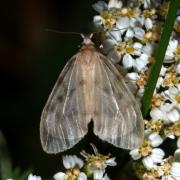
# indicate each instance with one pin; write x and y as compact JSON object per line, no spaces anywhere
{"x":62,"y":122}
{"x":117,"y":117}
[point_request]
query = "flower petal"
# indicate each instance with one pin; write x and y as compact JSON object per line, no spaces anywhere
{"x":100,"y":6}
{"x":114,"y":4}
{"x":155,"y":139}
{"x":33,"y":177}
{"x":82,"y":176}
{"x":135,"y":154}
{"x":157,"y":155}
{"x":128,"y":61}
{"x":111,"y":162}
{"x":122,"y":23}
{"x":60,"y":176}
{"x":148,"y":162}
{"x":175,"y":170}
{"x":177,"y":154}
{"x":148,"y":23}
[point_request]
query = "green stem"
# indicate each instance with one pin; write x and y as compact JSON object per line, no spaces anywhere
{"x":159,"y":56}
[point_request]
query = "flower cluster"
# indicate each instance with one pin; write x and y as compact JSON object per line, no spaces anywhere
{"x":91,"y":166}
{"x":132,"y":33}
{"x":94,"y":166}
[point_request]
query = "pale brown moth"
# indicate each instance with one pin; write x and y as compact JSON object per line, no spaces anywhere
{"x":90,"y":88}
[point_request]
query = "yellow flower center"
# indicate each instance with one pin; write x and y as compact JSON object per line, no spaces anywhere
{"x":178,"y":99}
{"x":146,"y":148}
{"x":132,"y":12}
{"x":157,"y":100}
{"x":151,"y":36}
{"x":148,"y":13}
{"x":73,"y":173}
{"x":109,"y":19}
{"x":177,"y":53}
{"x":177,"y":27}
{"x":124,"y":11}
{"x":155,"y":125}
{"x":170,"y":79}
{"x":175,"y":129}
{"x":124,"y":48}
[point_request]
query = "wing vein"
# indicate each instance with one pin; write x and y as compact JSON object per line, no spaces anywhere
{"x":68,"y":89}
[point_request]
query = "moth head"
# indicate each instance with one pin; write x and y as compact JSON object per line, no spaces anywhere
{"x":87,"y":39}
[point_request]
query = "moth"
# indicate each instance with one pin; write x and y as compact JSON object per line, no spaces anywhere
{"x":90,"y":88}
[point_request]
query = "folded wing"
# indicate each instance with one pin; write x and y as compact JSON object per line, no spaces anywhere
{"x":63,"y":123}
{"x":117,"y":117}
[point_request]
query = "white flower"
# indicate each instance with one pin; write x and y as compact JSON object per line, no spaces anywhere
{"x":146,"y":3}
{"x":33,"y":177}
{"x":175,"y":170}
{"x":163,"y":71}
{"x":135,"y":154}
{"x":114,"y":4}
{"x":178,"y":142}
{"x":117,"y":50}
{"x":123,"y":24}
{"x":100,"y":6}
{"x":97,"y":163}
{"x":111,"y":162}
{"x":73,"y":164}
{"x":98,"y":21}
{"x":159,"y":82}
{"x":155,"y":157}
{"x":99,"y":175}
{"x":63,"y":176}
{"x":131,"y":79}
{"x":173,"y":94}
{"x":148,"y":23}
{"x":170,"y":52}
{"x":141,"y":62}
{"x":105,"y":177}
{"x":177,"y":155}
{"x":155,"y":139}
{"x":151,"y":156}
{"x":168,"y":178}
{"x":166,"y":112}
{"x":148,"y":48}
{"x":71,"y":161}
{"x":139,"y":33}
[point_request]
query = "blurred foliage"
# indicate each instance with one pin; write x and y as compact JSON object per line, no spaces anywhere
{"x":19,"y":175}
{"x":5,"y":161}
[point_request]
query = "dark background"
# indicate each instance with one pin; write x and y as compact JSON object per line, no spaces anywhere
{"x":31,"y":60}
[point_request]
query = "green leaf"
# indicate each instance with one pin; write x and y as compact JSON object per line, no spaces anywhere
{"x":5,"y":162}
{"x":159,"y":56}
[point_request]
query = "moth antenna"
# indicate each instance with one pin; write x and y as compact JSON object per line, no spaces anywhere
{"x":91,"y":35}
{"x":88,"y":35}
{"x":82,"y":35}
{"x":63,"y":32}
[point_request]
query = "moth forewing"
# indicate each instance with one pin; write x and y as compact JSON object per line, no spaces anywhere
{"x":90,"y":88}
{"x":61,"y":124}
